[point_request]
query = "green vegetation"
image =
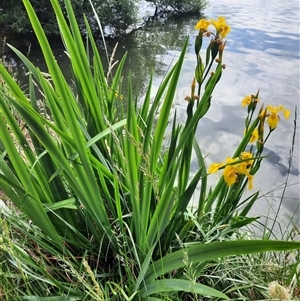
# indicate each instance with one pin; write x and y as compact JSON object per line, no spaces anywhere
{"x":178,"y":6}
{"x":119,"y":14}
{"x":100,"y":187}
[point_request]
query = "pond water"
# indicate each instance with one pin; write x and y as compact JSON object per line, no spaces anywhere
{"x":262,"y":52}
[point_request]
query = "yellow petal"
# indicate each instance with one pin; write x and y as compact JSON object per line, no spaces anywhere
{"x":230,"y":175}
{"x":221,"y":19}
{"x":273,"y":120}
{"x":230,"y":160}
{"x":202,"y":24}
{"x":243,"y":167}
{"x":286,"y":113}
{"x":246,"y":101}
{"x":221,"y":27}
{"x":224,"y":30}
{"x":250,"y":181}
{"x":246,"y":155}
{"x":215,"y":167}
{"x":254,"y":136}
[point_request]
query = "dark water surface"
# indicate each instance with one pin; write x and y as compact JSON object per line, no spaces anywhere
{"x":262,"y":52}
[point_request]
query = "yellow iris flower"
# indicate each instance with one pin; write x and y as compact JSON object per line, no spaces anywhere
{"x":232,"y":171}
{"x":202,"y":25}
{"x":273,"y":117}
{"x":221,"y":26}
{"x":246,"y":100}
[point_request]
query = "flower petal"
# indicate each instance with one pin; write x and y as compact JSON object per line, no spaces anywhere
{"x":254,"y":136}
{"x":230,"y":175}
{"x":273,"y":120}
{"x":215,"y":167}
{"x":246,"y":100}
{"x":286,"y":113}
{"x":202,"y":24}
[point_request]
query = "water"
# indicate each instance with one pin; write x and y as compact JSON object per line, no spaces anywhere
{"x":262,"y":52}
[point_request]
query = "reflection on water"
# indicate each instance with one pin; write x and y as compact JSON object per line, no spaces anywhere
{"x":262,"y":52}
